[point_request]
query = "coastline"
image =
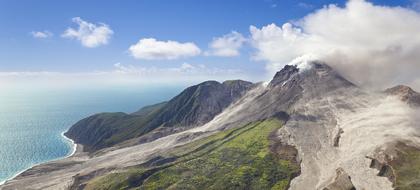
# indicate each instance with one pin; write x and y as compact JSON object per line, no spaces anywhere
{"x":74,"y":147}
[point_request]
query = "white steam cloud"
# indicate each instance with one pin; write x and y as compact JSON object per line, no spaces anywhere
{"x":369,"y":44}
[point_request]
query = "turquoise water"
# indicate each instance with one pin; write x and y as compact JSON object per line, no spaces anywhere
{"x":32,"y":121}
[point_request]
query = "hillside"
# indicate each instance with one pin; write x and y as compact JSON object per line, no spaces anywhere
{"x":194,"y":106}
{"x":306,"y":128}
{"x":234,"y":159}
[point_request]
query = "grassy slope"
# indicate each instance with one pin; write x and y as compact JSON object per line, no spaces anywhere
{"x":233,"y":159}
{"x":407,"y":168}
{"x":107,"y":129}
{"x":136,"y":125}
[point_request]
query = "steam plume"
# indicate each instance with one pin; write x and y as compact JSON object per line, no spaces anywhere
{"x":369,"y":44}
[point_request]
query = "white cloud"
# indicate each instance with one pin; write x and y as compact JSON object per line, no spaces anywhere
{"x":370,"y":44}
{"x":152,"y":49}
{"x":227,"y":45}
{"x":89,"y":34}
{"x":41,"y":34}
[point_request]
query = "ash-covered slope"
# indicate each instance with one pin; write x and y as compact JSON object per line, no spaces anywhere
{"x":288,"y":86}
{"x":338,"y":131}
{"x":194,"y":106}
{"x":336,"y":126}
{"x":345,"y":137}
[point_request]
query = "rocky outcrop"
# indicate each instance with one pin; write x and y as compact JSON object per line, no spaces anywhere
{"x":342,"y":181}
{"x":406,"y":94}
{"x":400,"y":163}
{"x":384,"y":169}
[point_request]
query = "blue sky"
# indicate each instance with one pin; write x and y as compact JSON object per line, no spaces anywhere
{"x":198,"y":22}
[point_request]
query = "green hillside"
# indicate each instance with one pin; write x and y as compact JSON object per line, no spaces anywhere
{"x":234,"y":159}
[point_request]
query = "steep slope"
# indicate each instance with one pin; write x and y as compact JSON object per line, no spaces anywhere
{"x":340,"y":128}
{"x":288,"y":86}
{"x":194,"y":106}
{"x":66,"y":173}
{"x":147,"y":110}
{"x":341,"y":134}
{"x":198,"y":104}
{"x":107,"y":129}
{"x":334,"y":124}
{"x":243,"y":158}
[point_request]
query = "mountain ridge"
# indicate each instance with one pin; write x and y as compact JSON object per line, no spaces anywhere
{"x":322,"y":114}
{"x":194,"y":106}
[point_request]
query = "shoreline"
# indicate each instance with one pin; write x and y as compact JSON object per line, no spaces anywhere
{"x":74,"y":147}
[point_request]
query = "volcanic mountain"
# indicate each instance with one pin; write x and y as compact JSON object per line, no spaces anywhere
{"x":308,"y":128}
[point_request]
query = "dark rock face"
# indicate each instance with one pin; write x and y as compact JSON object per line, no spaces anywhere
{"x":195,"y":106}
{"x":342,"y":181}
{"x":284,"y":75}
{"x":385,"y":170}
{"x":337,"y":137}
{"x":406,"y":94}
{"x":400,"y":163}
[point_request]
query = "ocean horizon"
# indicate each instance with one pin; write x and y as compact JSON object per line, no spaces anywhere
{"x":33,"y":121}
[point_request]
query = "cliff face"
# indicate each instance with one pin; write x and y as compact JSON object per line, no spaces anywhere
{"x":194,"y":106}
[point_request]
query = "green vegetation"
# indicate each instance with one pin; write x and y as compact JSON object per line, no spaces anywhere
{"x":233,"y":159}
{"x":407,"y":168}
{"x":194,"y":106}
{"x":107,"y":129}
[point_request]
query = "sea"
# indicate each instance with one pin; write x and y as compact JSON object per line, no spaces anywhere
{"x":33,"y":120}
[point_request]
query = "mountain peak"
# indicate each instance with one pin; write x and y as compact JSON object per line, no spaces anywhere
{"x":405,"y":93}
{"x":284,"y":75}
{"x":401,"y":89}
{"x":313,"y":72}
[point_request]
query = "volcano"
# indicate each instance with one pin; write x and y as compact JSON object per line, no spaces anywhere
{"x":308,"y":128}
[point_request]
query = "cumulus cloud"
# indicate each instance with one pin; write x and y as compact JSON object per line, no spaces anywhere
{"x":41,"y":34}
{"x":369,"y":44}
{"x":227,"y":45}
{"x":152,"y":49}
{"x":89,"y":34}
